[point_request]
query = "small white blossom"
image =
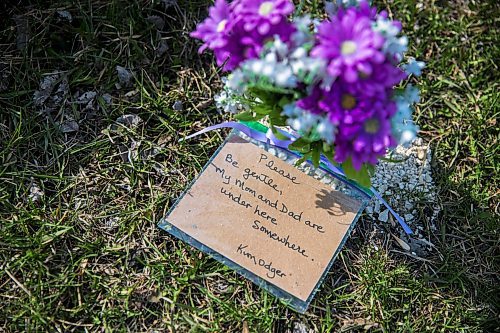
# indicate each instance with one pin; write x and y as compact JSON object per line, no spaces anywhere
{"x":404,"y":129}
{"x":393,"y":45}
{"x":235,"y":82}
{"x":303,"y":34}
{"x":273,"y":66}
{"x":308,"y":124}
{"x":228,"y":99}
{"x":414,"y":67}
{"x":326,"y":130}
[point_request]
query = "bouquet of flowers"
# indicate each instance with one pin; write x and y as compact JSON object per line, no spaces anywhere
{"x":330,"y":83}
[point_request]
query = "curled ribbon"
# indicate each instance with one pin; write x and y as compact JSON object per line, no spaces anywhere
{"x":271,"y":139}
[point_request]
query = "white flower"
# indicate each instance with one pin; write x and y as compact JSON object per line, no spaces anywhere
{"x":280,"y":47}
{"x":403,"y":127}
{"x":228,"y":100}
{"x":274,"y":66}
{"x":307,"y":124}
{"x":414,"y":67}
{"x":411,"y":94}
{"x":235,"y":82}
{"x":326,"y":130}
{"x":393,"y":45}
{"x":284,"y":77}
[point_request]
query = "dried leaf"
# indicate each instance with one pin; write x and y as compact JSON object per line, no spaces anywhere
{"x":69,"y":126}
{"x":245,"y":327}
{"x":46,"y":87}
{"x":157,"y":21}
{"x":129,"y":120}
{"x":124,"y":76}
{"x":402,"y":243}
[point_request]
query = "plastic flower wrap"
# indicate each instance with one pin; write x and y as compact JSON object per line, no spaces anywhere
{"x":331,"y":84}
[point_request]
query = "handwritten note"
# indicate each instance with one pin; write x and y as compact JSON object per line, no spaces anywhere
{"x":267,"y":216}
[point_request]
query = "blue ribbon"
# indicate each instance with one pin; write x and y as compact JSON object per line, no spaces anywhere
{"x":271,"y":139}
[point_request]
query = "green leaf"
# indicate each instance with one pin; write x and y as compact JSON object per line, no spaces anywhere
{"x":329,"y":152}
{"x":263,"y":87}
{"x":304,"y":158}
{"x":326,"y":147}
{"x":301,"y":145}
{"x":262,"y":109}
{"x":284,"y":101}
{"x":278,"y":134}
{"x":316,"y":155}
{"x":248,"y":116}
{"x":264,"y":96}
{"x":361,"y":176}
{"x":276,"y":119}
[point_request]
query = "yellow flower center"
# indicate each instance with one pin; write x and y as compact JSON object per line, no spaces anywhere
{"x":372,"y":126}
{"x":348,"y":102}
{"x":348,"y":47}
{"x":265,"y":8}
{"x":363,"y":75}
{"x":221,"y":26}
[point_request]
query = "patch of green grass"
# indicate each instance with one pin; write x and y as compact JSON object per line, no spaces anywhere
{"x":87,"y":255}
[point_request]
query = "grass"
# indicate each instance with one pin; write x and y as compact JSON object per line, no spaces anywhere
{"x":87,"y":255}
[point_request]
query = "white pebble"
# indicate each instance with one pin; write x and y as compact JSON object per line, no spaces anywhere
{"x":384,"y":216}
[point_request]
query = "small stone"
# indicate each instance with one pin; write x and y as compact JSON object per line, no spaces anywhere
{"x":129,"y":120}
{"x":326,"y":180}
{"x":384,"y":216}
{"x":36,"y":193}
{"x":107,"y":99}
{"x":178,"y":106}
{"x":64,"y":14}
{"x":320,"y":172}
{"x":86,"y":97}
{"x":409,"y":217}
{"x":421,"y":154}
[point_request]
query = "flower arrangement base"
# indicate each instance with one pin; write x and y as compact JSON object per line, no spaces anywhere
{"x":278,"y":224}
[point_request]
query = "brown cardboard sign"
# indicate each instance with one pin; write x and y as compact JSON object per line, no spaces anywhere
{"x":266,"y":216}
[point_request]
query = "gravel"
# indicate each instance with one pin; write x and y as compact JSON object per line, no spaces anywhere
{"x":406,"y":184}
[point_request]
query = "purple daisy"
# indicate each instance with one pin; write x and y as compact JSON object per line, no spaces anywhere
{"x":313,"y":101}
{"x":381,"y":81}
{"x":213,"y":31}
{"x":239,"y":48}
{"x":349,"y":44}
{"x":369,"y":142}
{"x":344,"y":104}
{"x":261,"y":15}
{"x":226,"y":31}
